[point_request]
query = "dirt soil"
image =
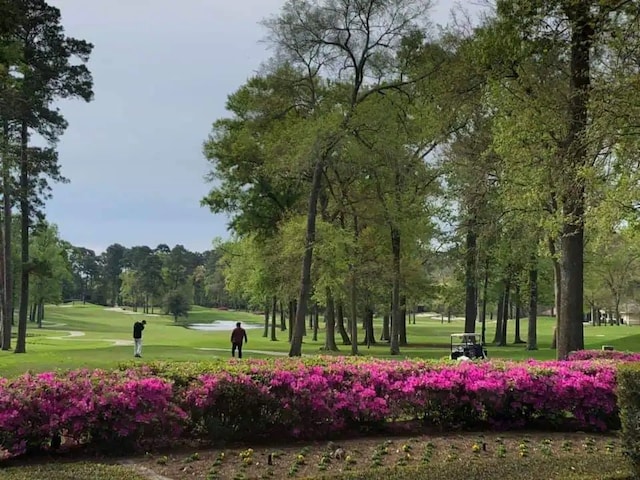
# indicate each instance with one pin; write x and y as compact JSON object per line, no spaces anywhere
{"x":309,"y":460}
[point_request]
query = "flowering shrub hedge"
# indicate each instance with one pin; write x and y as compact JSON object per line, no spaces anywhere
{"x":629,"y":402}
{"x":605,"y":355}
{"x":312,"y":399}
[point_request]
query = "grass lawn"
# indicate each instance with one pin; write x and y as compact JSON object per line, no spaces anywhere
{"x":70,"y":471}
{"x":91,"y":336}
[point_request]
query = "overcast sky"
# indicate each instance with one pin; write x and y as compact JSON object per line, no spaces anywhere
{"x":162,"y":71}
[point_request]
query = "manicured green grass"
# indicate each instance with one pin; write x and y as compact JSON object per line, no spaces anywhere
{"x":168,"y":341}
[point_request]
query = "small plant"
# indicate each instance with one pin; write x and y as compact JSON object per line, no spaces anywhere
{"x":212,"y":474}
{"x":567,"y":445}
{"x":219,"y":458}
{"x":247,"y":457}
{"x":523,"y":449}
{"x":325,"y":460}
{"x":501,"y":451}
{"x":192,"y":458}
{"x":162,"y":460}
{"x":589,"y":445}
{"x":248,"y":453}
{"x":428,"y":452}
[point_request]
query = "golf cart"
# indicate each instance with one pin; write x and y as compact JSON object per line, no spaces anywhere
{"x":467,"y":345}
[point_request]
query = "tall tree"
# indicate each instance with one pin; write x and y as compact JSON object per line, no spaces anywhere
{"x":9,"y":58}
{"x":52,"y":67}
{"x":113,"y":260}
{"x":348,"y":36}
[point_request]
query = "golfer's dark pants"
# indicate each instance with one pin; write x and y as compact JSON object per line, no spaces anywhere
{"x":233,"y":350}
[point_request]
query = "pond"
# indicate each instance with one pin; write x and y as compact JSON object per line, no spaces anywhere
{"x":220,"y":326}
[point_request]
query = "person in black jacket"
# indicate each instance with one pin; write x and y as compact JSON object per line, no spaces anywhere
{"x":138,"y":327}
{"x":237,"y":336}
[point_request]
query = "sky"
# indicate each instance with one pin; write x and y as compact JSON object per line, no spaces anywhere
{"x":162,"y":71}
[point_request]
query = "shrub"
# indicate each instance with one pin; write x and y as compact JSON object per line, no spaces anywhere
{"x":112,"y":410}
{"x":298,"y":398}
{"x":629,"y":402}
{"x":605,"y":355}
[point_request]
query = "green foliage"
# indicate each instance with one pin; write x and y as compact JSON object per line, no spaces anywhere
{"x":176,"y":303}
{"x":47,"y":251}
{"x":629,"y":404}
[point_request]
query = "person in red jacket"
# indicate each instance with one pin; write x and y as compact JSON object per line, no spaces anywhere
{"x":237,"y":336}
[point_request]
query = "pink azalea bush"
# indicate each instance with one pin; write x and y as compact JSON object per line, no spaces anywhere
{"x":605,"y":355}
{"x":298,"y":398}
{"x":105,"y":408}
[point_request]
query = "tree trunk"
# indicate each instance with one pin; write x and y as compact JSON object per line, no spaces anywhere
{"x":21,"y":343}
{"x":340,"y":323}
{"x":5,"y":324}
{"x":267,"y":317}
{"x":274,"y":323}
{"x":518,"y":312}
{"x":570,"y":327}
{"x":532,"y":332}
{"x":7,"y":266}
{"x":283,"y":322}
{"x":316,"y":323}
{"x":403,"y":322}
{"x":386,"y":334}
{"x":369,"y":334}
{"x":395,"y":293}
{"x":557,"y":290}
{"x":32,"y":313}
{"x":305,"y":277}
{"x":292,"y":316}
{"x":330,"y":337}
{"x":570,"y":335}
{"x":485,"y":287}
{"x":354,"y":309}
{"x":40,"y":313}
{"x":505,"y":313}
{"x":471,"y":304}
{"x":497,"y":339}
